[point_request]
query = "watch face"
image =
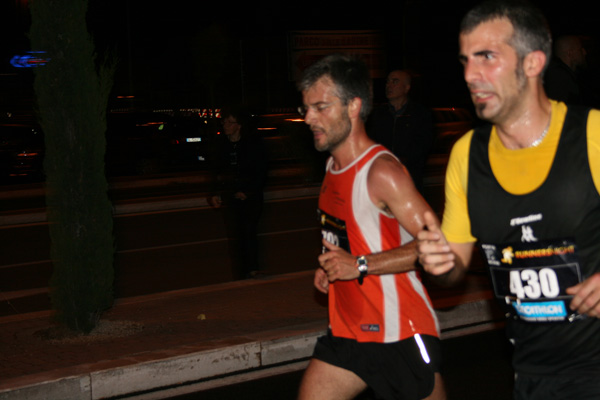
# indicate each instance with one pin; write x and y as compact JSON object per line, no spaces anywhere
{"x":362,"y":264}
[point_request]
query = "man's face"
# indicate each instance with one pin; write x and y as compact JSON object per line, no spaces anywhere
{"x":492,"y":70}
{"x":397,"y":85}
{"x":231,"y":126}
{"x":326,"y":115}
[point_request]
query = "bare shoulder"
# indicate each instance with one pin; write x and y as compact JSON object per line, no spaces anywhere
{"x":390,"y":185}
{"x":387,"y":173}
{"x":392,"y":190}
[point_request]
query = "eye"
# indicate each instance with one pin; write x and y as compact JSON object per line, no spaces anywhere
{"x":488,"y":55}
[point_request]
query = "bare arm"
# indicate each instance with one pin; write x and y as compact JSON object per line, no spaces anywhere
{"x":392,"y":190}
{"x":337,"y":263}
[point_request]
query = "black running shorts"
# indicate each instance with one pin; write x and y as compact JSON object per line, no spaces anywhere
{"x":394,"y":371}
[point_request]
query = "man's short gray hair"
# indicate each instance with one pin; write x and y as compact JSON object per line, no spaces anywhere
{"x":349,"y":75}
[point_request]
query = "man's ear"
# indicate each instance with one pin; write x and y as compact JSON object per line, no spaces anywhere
{"x":354,"y":107}
{"x":533,"y":64}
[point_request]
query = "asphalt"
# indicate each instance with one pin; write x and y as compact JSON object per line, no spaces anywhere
{"x":150,"y":346}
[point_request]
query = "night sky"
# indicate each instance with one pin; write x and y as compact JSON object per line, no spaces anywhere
{"x":199,"y":52}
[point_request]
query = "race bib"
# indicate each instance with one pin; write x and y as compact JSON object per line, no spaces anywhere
{"x":532,"y":278}
{"x":333,"y":230}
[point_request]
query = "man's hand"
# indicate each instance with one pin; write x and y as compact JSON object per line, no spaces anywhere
{"x":240,"y":196}
{"x":434,"y":252}
{"x":586,"y":298}
{"x":321,"y":282}
{"x":215,"y":201}
{"x":337,"y":263}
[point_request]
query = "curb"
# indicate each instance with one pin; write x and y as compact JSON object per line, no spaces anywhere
{"x":143,"y":378}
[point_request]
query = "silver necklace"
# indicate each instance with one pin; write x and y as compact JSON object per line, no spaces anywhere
{"x":537,"y":141}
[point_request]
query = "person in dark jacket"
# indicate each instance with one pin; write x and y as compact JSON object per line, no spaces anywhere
{"x":240,"y":176}
{"x":561,"y":80}
{"x":404,"y":126}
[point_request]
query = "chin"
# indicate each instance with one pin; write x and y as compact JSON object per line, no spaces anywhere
{"x":483,"y":112}
{"x":321,"y":147}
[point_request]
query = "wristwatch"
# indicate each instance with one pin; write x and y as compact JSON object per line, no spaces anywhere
{"x":363,"y":268}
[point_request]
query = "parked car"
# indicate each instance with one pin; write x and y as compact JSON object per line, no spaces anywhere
{"x":149,"y":142}
{"x":136,"y":143}
{"x":162,"y":142}
{"x":21,"y":153}
{"x":190,"y":141}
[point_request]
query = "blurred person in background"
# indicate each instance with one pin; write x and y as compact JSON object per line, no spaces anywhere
{"x":403,"y":126}
{"x":561,"y":80}
{"x":240,"y":175}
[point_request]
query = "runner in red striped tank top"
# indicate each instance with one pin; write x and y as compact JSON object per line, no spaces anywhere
{"x":383,"y":331}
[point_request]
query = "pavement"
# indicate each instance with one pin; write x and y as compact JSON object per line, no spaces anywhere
{"x":166,"y":344}
{"x":193,"y":339}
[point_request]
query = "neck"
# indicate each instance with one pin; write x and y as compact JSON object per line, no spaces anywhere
{"x":357,"y":142}
{"x":234,"y":137}
{"x":399,"y":102}
{"x":528,"y":128}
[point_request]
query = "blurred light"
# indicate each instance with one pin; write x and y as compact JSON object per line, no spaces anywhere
{"x":30,"y":60}
{"x":209,"y":113}
{"x":160,"y":125}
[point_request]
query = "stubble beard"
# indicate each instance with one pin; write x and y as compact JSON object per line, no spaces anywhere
{"x":336,"y":135}
{"x":511,"y":103}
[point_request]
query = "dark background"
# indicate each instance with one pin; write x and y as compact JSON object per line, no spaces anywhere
{"x":208,"y":53}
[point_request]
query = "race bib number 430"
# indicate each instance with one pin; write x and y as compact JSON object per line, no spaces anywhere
{"x":532,"y":278}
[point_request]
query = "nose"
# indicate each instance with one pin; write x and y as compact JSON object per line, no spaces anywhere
{"x":309,"y":115}
{"x":470,"y":71}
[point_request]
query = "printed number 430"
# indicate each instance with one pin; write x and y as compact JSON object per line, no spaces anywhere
{"x":532,"y":284}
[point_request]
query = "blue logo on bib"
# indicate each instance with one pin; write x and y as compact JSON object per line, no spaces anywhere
{"x":542,"y":311}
